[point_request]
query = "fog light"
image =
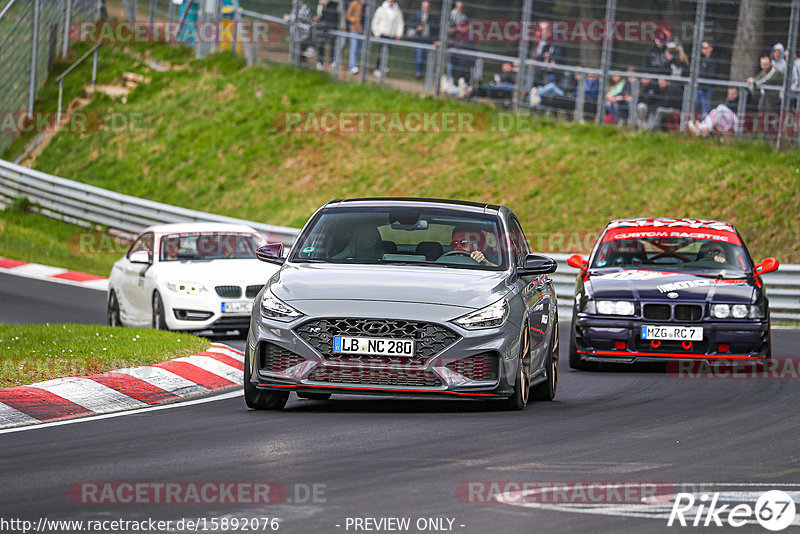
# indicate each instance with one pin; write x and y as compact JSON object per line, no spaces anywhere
{"x":723,"y":347}
{"x":620,"y":345}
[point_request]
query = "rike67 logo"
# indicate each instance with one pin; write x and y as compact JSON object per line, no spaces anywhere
{"x":774,"y":510}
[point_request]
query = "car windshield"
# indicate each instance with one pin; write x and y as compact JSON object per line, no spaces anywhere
{"x":407,"y":236}
{"x":199,"y":246}
{"x":671,"y":253}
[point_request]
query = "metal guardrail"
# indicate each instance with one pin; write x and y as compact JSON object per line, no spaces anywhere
{"x":83,"y":204}
{"x":86,"y":204}
{"x":783,"y":290}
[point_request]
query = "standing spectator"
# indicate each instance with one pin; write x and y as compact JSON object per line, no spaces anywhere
{"x":462,"y":65}
{"x":426,"y":29}
{"x":768,"y":75}
{"x":677,"y":59}
{"x":655,"y":60}
{"x":327,"y":21}
{"x":300,"y":23}
{"x":457,"y":17}
{"x":778,"y":58}
{"x":547,"y":51}
{"x":387,"y":23}
{"x":708,"y":69}
{"x":355,"y":18}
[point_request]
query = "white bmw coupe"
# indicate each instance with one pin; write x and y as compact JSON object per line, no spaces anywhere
{"x":188,"y":276}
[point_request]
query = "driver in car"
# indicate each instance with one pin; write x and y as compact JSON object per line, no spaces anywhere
{"x":472,"y":242}
{"x":712,"y":251}
{"x":171,"y":248}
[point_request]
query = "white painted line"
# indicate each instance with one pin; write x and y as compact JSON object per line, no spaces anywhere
{"x":223,"y":396}
{"x":214,"y":366}
{"x":11,"y":417}
{"x":227,"y":348}
{"x":226,"y":352}
{"x":89,"y":394}
{"x":161,"y":378}
{"x":33,"y":275}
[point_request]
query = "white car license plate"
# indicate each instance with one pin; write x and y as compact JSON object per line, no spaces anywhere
{"x":673,"y":333}
{"x":375,"y":346}
{"x":237,"y":307}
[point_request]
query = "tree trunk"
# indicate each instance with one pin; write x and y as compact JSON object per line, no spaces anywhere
{"x":747,"y":44}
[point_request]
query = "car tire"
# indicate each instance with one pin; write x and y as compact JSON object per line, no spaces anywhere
{"x":522,"y":385}
{"x":261,"y":399}
{"x":575,"y":361}
{"x":315,"y":396}
{"x":112,"y":311}
{"x":159,"y":321}
{"x":546,"y":391}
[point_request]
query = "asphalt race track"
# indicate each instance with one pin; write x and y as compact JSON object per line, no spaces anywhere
{"x":390,"y":458}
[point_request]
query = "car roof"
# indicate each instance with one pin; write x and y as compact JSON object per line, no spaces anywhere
{"x":414,"y":201}
{"x":184,"y":228}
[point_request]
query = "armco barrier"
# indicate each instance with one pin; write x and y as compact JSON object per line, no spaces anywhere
{"x":85,"y":204}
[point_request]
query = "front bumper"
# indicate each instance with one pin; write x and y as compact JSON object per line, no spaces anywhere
{"x":602,"y":339}
{"x":202,"y":312}
{"x":480,"y":364}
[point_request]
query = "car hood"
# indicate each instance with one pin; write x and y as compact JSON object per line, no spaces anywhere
{"x":634,"y":284}
{"x":216,"y":272}
{"x":471,"y":289}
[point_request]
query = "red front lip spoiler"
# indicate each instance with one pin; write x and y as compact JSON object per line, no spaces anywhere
{"x":292,"y":386}
{"x":672,"y":355}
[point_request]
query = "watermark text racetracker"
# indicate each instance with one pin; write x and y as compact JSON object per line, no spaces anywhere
{"x":402,"y":121}
{"x":149,"y":525}
{"x":162,"y":31}
{"x":73,"y":122}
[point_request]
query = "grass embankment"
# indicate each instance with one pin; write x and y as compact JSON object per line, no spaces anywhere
{"x":208,"y":139}
{"x":33,"y":353}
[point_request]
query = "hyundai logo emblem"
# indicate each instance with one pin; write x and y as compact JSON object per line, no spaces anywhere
{"x":672,"y":295}
{"x":376,"y":328}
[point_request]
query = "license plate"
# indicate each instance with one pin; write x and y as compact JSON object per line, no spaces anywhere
{"x":673,"y":333}
{"x":375,"y":346}
{"x":237,"y":307}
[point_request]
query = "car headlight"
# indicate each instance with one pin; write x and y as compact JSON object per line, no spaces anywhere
{"x":613,"y":307}
{"x":274,"y":308}
{"x":186,"y":288}
{"x":491,"y":316}
{"x":736,"y":311}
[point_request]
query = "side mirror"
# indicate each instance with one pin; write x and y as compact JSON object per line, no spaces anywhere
{"x":535,"y":264}
{"x":577,"y":261}
{"x":271,"y":253}
{"x":767,"y":265}
{"x":140,"y":256}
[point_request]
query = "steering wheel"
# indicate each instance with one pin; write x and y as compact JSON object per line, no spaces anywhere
{"x":458,"y":253}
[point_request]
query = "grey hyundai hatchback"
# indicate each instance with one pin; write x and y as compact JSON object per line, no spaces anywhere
{"x":405,"y":297}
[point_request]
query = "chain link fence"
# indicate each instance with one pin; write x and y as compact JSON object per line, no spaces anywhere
{"x":32,"y":37}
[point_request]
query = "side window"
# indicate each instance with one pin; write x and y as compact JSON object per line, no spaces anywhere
{"x":518,"y":241}
{"x":144,"y":242}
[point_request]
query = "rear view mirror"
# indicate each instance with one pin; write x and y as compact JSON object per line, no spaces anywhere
{"x":767,"y":265}
{"x":577,"y":261}
{"x":271,"y":253}
{"x":535,"y":264}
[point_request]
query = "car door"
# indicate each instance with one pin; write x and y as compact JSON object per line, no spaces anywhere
{"x":134,"y":298}
{"x":536,"y":294}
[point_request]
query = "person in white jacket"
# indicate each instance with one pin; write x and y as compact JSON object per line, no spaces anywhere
{"x":387,"y":22}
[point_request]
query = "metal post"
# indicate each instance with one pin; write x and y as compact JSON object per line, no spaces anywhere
{"x":605,"y":62}
{"x":581,"y":99}
{"x":152,"y":12}
{"x":787,"y":80}
{"x":134,"y":10}
{"x":741,"y":107}
{"x":699,"y":31}
{"x":522,"y":55}
{"x":34,"y":54}
{"x":384,"y":63}
{"x":633,"y":111}
{"x":171,"y":12}
{"x":294,"y":42}
{"x":370,"y":5}
{"x":441,"y":53}
{"x":60,"y":98}
{"x":237,"y":20}
{"x":337,"y":56}
{"x":67,"y":22}
{"x":5,"y":9}
{"x":430,"y":71}
{"x":94,"y":70}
